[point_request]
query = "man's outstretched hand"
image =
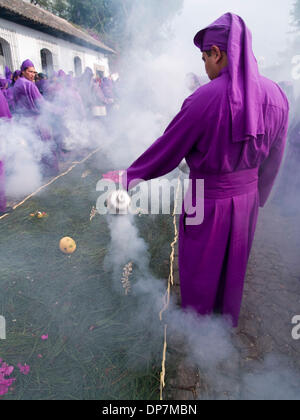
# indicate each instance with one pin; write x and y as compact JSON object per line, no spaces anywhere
{"x":114,"y":176}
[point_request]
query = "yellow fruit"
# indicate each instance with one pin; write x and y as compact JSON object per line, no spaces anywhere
{"x":67,"y":245}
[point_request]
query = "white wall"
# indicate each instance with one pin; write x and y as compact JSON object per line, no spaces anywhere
{"x":26,"y":43}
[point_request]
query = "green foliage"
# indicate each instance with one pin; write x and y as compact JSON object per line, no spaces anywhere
{"x":296,"y":13}
{"x":58,"y":7}
{"x":118,"y":22}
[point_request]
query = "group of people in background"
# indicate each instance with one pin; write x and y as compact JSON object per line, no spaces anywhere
{"x":30,"y":96}
{"x":27,"y":94}
{"x":89,"y":91}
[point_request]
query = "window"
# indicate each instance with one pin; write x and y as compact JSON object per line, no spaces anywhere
{"x":47,"y":61}
{"x":77,"y":66}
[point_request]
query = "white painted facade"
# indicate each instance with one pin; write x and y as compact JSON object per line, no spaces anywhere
{"x":19,"y":43}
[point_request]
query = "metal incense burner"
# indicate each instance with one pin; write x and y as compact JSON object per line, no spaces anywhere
{"x":118,"y":202}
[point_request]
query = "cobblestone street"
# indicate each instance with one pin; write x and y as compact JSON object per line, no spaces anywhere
{"x":271,"y":300}
{"x":272,"y":291}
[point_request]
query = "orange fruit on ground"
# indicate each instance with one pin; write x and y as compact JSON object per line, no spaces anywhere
{"x":67,"y":245}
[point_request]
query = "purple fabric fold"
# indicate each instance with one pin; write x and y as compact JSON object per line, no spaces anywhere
{"x":4,"y":113}
{"x":61,"y":74}
{"x":4,"y":109}
{"x":8,"y":75}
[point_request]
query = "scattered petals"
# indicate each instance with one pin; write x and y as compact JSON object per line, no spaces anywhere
{"x":24,"y":369}
{"x":5,"y":383}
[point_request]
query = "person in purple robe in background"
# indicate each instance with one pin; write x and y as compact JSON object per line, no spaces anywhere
{"x":86,"y":89}
{"x":29,"y":103}
{"x":42,"y":83}
{"x":53,"y":87}
{"x":4,"y":114}
{"x":8,"y":75}
{"x":10,"y":99}
{"x":108,"y":89}
{"x":8,"y":93}
{"x":73,"y":97}
{"x":59,"y":96}
{"x":61,"y":74}
{"x":232,"y":133}
{"x":17,"y":74}
{"x":91,"y":93}
{"x":107,"y":86}
{"x":4,"y":109}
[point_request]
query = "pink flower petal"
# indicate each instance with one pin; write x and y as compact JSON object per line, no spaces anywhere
{"x":24,"y":369}
{"x":5,"y":383}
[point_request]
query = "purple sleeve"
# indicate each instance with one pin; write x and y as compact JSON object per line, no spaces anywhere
{"x":271,"y":166}
{"x":168,"y":151}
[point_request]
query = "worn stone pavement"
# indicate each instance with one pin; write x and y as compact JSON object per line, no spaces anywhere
{"x":271,"y":300}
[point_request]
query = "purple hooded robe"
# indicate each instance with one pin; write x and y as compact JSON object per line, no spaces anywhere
{"x":28,"y":103}
{"x":108,"y":88}
{"x":4,"y":113}
{"x":232,"y":132}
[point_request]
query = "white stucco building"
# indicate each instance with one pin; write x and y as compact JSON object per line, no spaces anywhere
{"x":52,"y":43}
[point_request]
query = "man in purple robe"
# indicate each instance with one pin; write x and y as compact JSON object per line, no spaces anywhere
{"x":29,"y":103}
{"x":27,"y":96}
{"x":232,"y":133}
{"x":4,"y":114}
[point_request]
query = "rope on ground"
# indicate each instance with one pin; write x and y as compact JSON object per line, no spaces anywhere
{"x":52,"y":181}
{"x":168,"y":292}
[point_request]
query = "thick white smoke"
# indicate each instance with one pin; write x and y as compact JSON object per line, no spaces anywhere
{"x":153,"y":90}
